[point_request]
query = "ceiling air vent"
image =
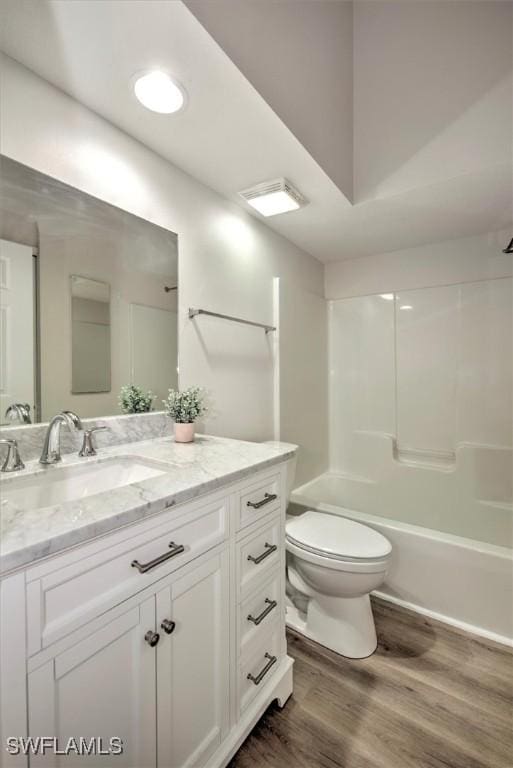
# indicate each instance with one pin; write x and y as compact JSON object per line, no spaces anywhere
{"x":272,"y":197}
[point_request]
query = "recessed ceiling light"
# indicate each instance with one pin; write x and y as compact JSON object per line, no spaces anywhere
{"x":272,"y":197}
{"x":406,"y":306}
{"x":387,"y":296}
{"x":159,"y":92}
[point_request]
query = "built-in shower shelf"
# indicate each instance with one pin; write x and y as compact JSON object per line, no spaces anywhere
{"x":415,"y":457}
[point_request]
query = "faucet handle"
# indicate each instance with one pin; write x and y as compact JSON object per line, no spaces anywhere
{"x":13,"y":461}
{"x":88,"y":448}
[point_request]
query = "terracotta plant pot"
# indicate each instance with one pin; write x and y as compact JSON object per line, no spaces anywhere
{"x":184,"y":433}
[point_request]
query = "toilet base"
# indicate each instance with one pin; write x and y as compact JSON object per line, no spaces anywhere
{"x":344,"y":625}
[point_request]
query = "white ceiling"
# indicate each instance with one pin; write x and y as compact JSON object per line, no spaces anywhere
{"x":228,"y":137}
{"x":304,"y":72}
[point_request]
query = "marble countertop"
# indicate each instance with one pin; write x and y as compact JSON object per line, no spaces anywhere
{"x":190,"y":469}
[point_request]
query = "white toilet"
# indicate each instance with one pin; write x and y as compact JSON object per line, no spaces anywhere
{"x":335,"y":563}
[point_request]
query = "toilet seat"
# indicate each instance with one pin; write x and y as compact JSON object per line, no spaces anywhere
{"x":378,"y":565}
{"x":337,"y":543}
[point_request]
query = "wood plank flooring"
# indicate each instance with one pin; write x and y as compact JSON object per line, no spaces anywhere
{"x":430,"y":697}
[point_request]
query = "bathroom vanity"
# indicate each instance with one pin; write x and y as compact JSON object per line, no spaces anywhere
{"x":145,"y":601}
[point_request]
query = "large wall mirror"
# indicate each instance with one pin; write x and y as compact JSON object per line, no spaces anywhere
{"x":88,"y":301}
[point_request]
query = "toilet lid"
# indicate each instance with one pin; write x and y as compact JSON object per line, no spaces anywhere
{"x":336,"y":536}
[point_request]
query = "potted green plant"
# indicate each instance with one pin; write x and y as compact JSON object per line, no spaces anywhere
{"x":133,"y":399}
{"x":185,"y":408}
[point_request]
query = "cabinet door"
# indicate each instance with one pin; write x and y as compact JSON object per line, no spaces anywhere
{"x":193,"y":665}
{"x":104,"y":686}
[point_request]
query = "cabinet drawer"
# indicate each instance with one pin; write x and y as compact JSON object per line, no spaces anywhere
{"x":63,"y":600}
{"x":258,"y":500}
{"x":257,"y":555}
{"x":260,"y":611}
{"x":256,"y":671}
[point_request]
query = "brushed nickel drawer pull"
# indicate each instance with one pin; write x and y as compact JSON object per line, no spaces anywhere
{"x":176,"y":549}
{"x":258,"y":679}
{"x":270,"y":605}
{"x":269,"y":549}
{"x":268,"y":497}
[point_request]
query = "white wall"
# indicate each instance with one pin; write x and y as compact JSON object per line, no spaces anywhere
{"x":453,"y":261}
{"x":227,"y":259}
{"x":304,"y":371}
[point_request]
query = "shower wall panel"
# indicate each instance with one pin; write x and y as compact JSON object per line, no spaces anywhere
{"x":431,"y":367}
{"x":362,"y":373}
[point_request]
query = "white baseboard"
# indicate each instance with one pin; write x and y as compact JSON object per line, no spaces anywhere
{"x":470,"y":628}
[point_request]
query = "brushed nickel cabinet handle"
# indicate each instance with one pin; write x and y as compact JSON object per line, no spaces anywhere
{"x":268,"y":497}
{"x":152,"y":638}
{"x":258,"y":678}
{"x":269,"y":549}
{"x":257,"y":619}
{"x":168,"y":626}
{"x":176,"y":549}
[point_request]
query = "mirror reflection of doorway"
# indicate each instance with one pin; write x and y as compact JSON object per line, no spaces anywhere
{"x":90,"y":336}
{"x":154,"y":350}
{"x":17,"y":328}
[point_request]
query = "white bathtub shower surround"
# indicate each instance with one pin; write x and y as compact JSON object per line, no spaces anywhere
{"x":461,"y":581}
{"x":467,"y":495}
{"x":170,"y":588}
{"x":454,"y":358}
{"x":421,"y":406}
{"x":432,"y":367}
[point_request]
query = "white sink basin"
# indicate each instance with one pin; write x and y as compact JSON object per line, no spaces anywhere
{"x":58,"y":484}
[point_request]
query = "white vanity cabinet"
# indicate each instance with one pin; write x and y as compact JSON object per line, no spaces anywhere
{"x":193,"y":664}
{"x":148,"y":634}
{"x":103,"y":686}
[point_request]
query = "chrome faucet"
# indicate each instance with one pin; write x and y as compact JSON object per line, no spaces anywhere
{"x":52,"y":446}
{"x":20,"y":411}
{"x":13,"y":460}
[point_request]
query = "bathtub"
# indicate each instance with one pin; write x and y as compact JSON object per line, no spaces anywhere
{"x":457,"y":580}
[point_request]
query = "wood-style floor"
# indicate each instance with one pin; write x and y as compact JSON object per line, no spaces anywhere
{"x":430,"y":697}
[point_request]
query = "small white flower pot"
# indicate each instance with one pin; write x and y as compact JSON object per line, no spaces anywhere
{"x":184,"y":433}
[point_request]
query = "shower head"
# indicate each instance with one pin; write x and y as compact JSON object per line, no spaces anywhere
{"x":509,"y":247}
